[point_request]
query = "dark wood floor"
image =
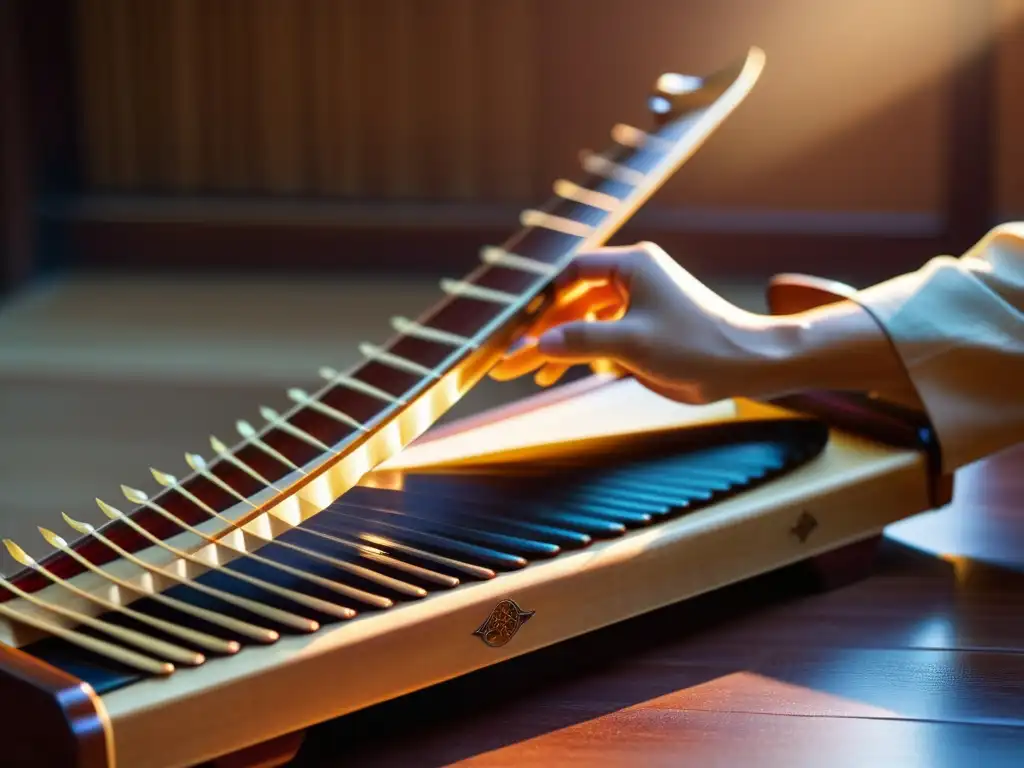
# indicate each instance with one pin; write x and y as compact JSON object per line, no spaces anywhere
{"x":920,"y":664}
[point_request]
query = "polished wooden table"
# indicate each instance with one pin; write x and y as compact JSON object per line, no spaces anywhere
{"x":919,"y":664}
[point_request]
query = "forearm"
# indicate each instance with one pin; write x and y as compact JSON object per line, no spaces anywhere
{"x":952,"y":345}
{"x":837,"y":347}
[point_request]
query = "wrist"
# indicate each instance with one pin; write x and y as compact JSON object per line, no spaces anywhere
{"x":778,"y":359}
{"x":763,"y":356}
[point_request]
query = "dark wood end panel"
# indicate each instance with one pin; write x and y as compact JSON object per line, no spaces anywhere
{"x":843,"y":566}
{"x":50,"y":719}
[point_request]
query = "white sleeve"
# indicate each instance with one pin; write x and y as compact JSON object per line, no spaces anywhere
{"x":958,"y":326}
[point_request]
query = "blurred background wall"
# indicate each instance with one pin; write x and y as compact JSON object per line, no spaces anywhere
{"x":204,"y":200}
{"x":398,"y":133}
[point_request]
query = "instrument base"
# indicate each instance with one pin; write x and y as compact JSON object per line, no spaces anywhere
{"x":841,"y":567}
{"x":268,"y":754}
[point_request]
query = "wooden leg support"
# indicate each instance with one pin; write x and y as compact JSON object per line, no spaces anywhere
{"x":842,"y":566}
{"x":269,"y":754}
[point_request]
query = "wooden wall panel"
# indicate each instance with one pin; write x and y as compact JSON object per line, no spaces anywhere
{"x":1010,"y":100}
{"x":467,"y":100}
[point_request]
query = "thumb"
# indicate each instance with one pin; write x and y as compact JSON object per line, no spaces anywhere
{"x":583,"y":341}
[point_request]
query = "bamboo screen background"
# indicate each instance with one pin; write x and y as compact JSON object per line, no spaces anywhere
{"x":471,"y":100}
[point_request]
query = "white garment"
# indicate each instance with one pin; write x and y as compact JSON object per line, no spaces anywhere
{"x":958,"y":325}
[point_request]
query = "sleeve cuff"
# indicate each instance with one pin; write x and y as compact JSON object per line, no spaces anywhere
{"x":963,"y":350}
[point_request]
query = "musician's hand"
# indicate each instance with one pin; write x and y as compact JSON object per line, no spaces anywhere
{"x":638,"y":308}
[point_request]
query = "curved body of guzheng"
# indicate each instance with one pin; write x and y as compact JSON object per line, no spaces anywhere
{"x":284,"y":582}
{"x":512,"y":531}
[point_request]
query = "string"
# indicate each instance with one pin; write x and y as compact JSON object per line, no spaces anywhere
{"x":638,"y":159}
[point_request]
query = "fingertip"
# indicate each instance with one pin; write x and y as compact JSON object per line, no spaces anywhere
{"x":514,"y":366}
{"x":550,"y":374}
{"x":504,"y":375}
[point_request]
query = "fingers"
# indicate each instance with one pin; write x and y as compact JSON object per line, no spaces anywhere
{"x":604,"y":301}
{"x":614,"y":264}
{"x":582,"y":341}
{"x":550,"y":373}
{"x":608,"y":367}
{"x":569,"y":344}
{"x":518,"y":361}
{"x":595,"y":286}
{"x":599,"y":303}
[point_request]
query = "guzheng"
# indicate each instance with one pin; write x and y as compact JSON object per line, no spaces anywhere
{"x":315,"y":567}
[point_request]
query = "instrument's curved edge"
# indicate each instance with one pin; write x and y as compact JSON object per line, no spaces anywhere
{"x":464,"y":368}
{"x":850,"y":493}
{"x":519,"y":407}
{"x":340,"y":470}
{"x":250,"y":529}
{"x":550,"y":425}
{"x":308,"y":490}
{"x":51,"y":719}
